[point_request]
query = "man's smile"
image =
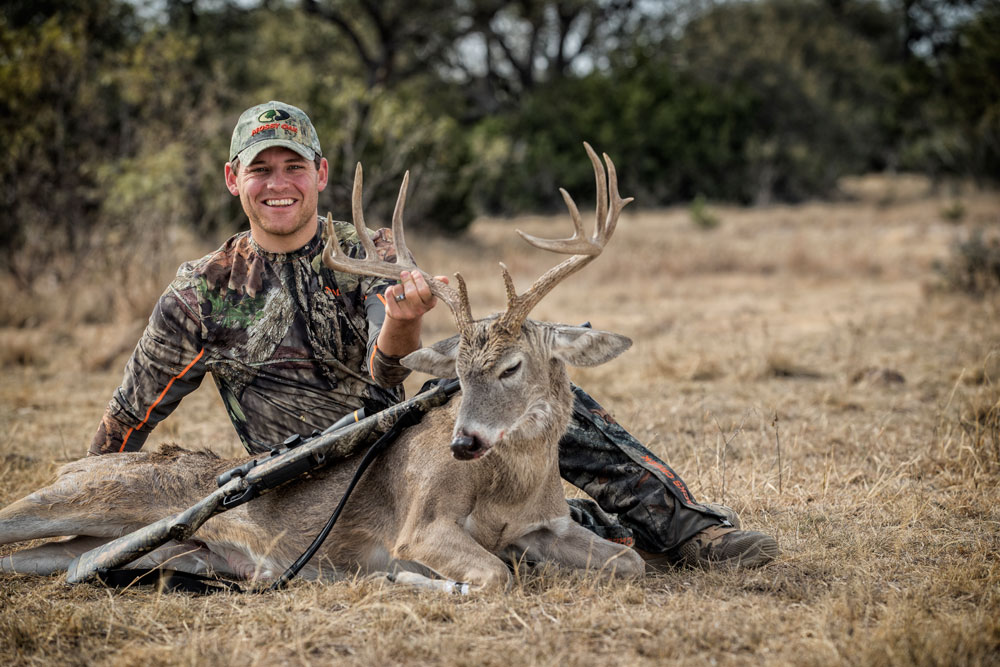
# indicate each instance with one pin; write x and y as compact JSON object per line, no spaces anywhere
{"x":279,"y":202}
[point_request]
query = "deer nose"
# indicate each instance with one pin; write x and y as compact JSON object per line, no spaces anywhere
{"x":468,"y":446}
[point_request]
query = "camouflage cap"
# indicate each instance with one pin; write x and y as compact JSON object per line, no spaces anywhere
{"x":273,"y":124}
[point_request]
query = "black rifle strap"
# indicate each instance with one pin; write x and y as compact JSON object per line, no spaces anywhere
{"x":409,"y":418}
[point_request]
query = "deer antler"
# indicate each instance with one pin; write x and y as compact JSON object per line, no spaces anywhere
{"x":584,"y":250}
{"x":371,"y":265}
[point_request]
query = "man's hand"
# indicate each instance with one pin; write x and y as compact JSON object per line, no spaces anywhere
{"x":405,"y":305}
{"x":411,"y":298}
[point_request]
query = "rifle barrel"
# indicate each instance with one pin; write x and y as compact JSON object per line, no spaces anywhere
{"x":138,"y":543}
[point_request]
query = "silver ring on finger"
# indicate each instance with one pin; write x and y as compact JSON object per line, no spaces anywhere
{"x":400,"y":297}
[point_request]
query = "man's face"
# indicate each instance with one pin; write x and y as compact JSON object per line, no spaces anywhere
{"x":279,"y":190}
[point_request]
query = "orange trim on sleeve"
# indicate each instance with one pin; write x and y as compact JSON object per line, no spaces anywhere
{"x":382,"y":299}
{"x":371,"y":359}
{"x":160,"y":398}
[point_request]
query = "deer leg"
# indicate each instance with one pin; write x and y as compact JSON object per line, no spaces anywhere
{"x":49,"y":558}
{"x":29,"y":519}
{"x":563,"y":542}
{"x":77,"y":503}
{"x":195,"y":557}
{"x":40,"y":516}
{"x":191,"y":557}
{"x":445,"y":547}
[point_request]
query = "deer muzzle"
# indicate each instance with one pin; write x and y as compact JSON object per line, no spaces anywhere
{"x":468,"y":446}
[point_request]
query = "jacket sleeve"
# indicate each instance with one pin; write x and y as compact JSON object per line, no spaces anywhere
{"x":167,"y":364}
{"x":384,"y":369}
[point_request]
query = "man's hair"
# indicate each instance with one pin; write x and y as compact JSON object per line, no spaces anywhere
{"x":235,"y":164}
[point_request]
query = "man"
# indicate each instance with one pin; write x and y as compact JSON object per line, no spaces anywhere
{"x":293,"y":346}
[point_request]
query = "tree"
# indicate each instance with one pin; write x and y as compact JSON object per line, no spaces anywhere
{"x":52,"y":82}
{"x":507,"y":48}
{"x":392,"y":40}
{"x":972,"y":72}
{"x":814,"y":90}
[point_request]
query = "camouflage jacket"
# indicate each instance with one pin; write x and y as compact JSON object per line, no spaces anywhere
{"x":289,"y":343}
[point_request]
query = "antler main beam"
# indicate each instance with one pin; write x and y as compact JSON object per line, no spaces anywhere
{"x":335,"y":259}
{"x":582,"y":249}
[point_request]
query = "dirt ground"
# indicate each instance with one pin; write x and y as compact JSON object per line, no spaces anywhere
{"x":800,"y":363}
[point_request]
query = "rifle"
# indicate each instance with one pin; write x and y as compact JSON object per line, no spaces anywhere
{"x":242,"y":484}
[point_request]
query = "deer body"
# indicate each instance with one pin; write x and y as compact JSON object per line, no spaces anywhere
{"x":425,"y":508}
{"x":417,"y":505}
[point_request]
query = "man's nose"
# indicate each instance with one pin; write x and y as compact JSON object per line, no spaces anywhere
{"x":276,"y":179}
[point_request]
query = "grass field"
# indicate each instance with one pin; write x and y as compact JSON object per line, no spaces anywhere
{"x":799,"y":363}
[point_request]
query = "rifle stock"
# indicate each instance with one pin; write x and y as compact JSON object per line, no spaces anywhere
{"x":266,"y":475}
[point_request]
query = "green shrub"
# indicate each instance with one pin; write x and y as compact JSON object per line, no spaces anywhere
{"x":974,"y":265}
{"x":700,"y":215}
{"x":954,"y":212}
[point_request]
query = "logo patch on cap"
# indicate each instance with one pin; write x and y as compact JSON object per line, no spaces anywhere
{"x":272,"y":115}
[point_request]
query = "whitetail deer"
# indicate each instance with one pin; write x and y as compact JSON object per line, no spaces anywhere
{"x":420,"y":510}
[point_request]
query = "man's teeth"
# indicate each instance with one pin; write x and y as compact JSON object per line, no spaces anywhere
{"x":279,"y":202}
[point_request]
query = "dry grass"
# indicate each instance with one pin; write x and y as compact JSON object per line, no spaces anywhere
{"x":811,"y":330}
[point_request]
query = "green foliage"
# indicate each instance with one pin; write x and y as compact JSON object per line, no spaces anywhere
{"x":973,"y":75}
{"x":811,"y":90}
{"x":701,"y":216}
{"x":755,"y":102}
{"x":954,"y":212}
{"x":60,"y":112}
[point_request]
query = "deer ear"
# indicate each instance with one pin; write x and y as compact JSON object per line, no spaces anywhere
{"x":583,"y":346}
{"x":437,"y":360}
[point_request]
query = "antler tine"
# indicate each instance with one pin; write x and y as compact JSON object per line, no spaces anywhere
{"x":574,"y":245}
{"x":458,"y":303}
{"x":358,"y":214}
{"x":609,"y":207}
{"x":335,"y":259}
{"x":617,"y":203}
{"x":600,"y":177}
{"x":402,"y":251}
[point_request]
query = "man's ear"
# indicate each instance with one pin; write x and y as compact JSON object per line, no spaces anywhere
{"x":437,"y":360}
{"x":231,"y":180}
{"x":322,"y":174}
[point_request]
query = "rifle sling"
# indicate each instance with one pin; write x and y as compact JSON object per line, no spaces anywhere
{"x":409,"y":418}
{"x":172,"y":580}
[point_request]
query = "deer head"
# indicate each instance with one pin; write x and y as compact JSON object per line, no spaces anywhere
{"x":515,"y":389}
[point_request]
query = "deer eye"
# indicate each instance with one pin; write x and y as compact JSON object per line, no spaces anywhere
{"x":507,"y":372}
